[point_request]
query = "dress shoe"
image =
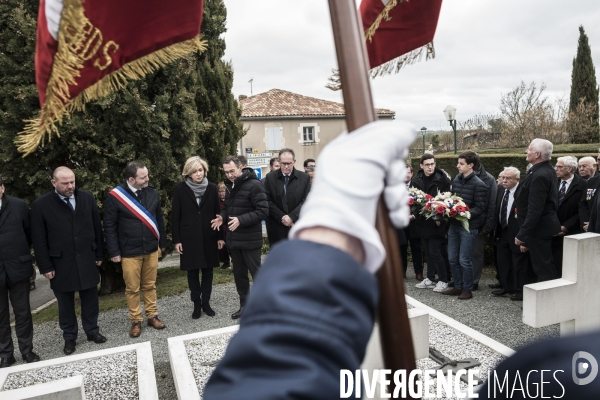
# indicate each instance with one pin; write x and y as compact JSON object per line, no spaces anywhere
{"x":452,"y":292}
{"x":465,"y":295}
{"x":207,"y":309}
{"x":451,"y":284}
{"x":225,"y":266}
{"x":31,"y":357}
{"x":495,"y":285}
{"x":32,"y":286}
{"x":475,"y":287}
{"x":69,"y":347}
{"x":136,"y":329}
{"x":420,"y":277}
{"x":156,"y":323}
{"x":197,"y":313}
{"x":6,"y":362}
{"x":499,"y":292}
{"x":237,"y":314}
{"x":517,"y":297}
{"x":97,"y":338}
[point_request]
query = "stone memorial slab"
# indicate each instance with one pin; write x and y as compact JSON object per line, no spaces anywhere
{"x":125,"y":372}
{"x":62,"y":389}
{"x":573,"y":299}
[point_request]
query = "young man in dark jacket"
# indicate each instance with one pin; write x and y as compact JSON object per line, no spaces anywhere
{"x":135,"y":230}
{"x":488,"y":226}
{"x":245,"y":207}
{"x":460,"y":241}
{"x":432,"y":180}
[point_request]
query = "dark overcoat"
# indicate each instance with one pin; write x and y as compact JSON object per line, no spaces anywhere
{"x":568,"y":210}
{"x":66,"y":242}
{"x":15,"y":240}
{"x":587,"y":198}
{"x":281,"y":204}
{"x":536,"y":201}
{"x":190,"y":225}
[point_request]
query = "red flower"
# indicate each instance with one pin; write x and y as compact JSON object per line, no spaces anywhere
{"x":428,"y":197}
{"x":428,"y":206}
{"x":459,"y":208}
{"x":453,"y":212}
{"x":467,"y":208}
{"x":411,"y":201}
{"x":440,"y":209}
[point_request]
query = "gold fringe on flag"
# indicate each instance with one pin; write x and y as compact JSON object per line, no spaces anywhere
{"x":395,"y":65}
{"x":66,"y":66}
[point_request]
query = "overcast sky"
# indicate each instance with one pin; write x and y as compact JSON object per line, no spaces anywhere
{"x":483,"y":48}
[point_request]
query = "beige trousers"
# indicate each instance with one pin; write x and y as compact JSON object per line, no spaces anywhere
{"x":140,"y":273}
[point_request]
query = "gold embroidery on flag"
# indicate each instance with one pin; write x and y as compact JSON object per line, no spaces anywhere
{"x":384,"y":14}
{"x":80,"y":41}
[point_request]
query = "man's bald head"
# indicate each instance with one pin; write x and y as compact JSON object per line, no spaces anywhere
{"x":63,"y":180}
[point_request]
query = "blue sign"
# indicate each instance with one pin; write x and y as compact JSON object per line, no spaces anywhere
{"x":258,"y":172}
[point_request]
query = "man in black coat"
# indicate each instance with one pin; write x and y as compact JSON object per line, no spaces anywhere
{"x":69,"y":248}
{"x":245,"y":207}
{"x":15,"y":270}
{"x":536,"y":202}
{"x":512,"y":260}
{"x":587,"y":198}
{"x":286,"y":189}
{"x":135,"y":230}
{"x":570,"y":191}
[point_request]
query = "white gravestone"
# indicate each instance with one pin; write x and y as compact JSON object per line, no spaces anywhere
{"x":573,"y":299}
{"x":62,"y":389}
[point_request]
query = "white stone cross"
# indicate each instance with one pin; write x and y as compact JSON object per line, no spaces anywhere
{"x":572,"y":300}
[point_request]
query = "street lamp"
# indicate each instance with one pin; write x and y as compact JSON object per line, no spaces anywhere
{"x":450,"y":113}
{"x":423,"y":133}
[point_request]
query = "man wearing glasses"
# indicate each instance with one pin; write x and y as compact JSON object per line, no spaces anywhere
{"x":245,"y":207}
{"x":286,"y":190}
{"x":570,"y":191}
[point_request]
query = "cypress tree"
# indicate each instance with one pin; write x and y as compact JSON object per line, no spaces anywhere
{"x":184,"y":109}
{"x":582,"y":123}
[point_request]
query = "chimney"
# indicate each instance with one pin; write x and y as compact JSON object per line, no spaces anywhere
{"x":242,"y":97}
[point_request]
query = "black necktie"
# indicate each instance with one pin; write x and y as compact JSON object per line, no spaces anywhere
{"x":285,"y":184}
{"x":66,"y":199}
{"x":562,"y":192}
{"x":504,"y":212}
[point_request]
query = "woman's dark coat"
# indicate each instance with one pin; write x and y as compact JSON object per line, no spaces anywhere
{"x":190,"y":224}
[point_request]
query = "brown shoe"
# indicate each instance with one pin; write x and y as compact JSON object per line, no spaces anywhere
{"x":156,"y":323}
{"x":465,"y":295}
{"x":420,"y":277}
{"x":136,"y":329}
{"x":452,"y":292}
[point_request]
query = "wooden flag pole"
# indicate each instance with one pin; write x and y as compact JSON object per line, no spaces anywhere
{"x":396,"y":339}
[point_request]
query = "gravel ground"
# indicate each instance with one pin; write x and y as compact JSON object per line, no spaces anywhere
{"x":497,"y":317}
{"x":203,"y":354}
{"x":109,"y":377}
{"x":175,"y":311}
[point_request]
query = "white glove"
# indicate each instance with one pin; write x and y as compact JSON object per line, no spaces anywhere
{"x":351,"y":173}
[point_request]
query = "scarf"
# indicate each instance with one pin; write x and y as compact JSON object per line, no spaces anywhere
{"x":197,"y":188}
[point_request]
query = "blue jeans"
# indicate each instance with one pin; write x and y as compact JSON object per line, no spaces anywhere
{"x":460,"y":248}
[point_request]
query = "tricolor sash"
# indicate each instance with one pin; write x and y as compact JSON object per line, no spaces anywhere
{"x":136,"y":209}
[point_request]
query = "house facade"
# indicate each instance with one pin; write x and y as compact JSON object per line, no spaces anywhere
{"x":277,"y":119}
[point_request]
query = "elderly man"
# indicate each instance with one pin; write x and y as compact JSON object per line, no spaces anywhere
{"x":587,"y":167}
{"x":15,"y":269}
{"x":570,"y":190}
{"x":135,"y":230}
{"x":511,"y":261}
{"x":536,"y":202}
{"x":69,"y":248}
{"x":286,"y":191}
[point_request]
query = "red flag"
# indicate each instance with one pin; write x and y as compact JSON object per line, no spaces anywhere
{"x":88,"y":48}
{"x":395,"y":28}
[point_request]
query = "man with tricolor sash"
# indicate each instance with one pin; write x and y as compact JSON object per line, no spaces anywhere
{"x":135,"y":230}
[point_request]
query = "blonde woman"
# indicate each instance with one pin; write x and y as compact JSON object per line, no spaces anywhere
{"x":195,"y":204}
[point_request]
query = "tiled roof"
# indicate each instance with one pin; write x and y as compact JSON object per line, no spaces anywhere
{"x":280,"y":103}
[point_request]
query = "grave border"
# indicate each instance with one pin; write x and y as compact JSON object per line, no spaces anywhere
{"x":146,"y":376}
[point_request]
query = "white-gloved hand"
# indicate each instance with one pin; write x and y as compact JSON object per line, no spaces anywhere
{"x":351,"y":174}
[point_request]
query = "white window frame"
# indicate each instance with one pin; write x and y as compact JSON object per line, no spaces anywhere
{"x":316,"y":130}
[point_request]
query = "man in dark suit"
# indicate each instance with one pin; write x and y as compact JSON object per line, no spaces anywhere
{"x":69,"y":247}
{"x":286,"y":191}
{"x":587,"y":198}
{"x":570,"y":191}
{"x":512,"y":260}
{"x":536,"y":201}
{"x":15,"y":270}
